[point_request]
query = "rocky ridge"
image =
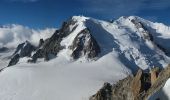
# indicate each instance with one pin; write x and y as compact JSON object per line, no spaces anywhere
{"x":138,"y":87}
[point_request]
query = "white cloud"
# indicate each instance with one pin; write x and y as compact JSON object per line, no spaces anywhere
{"x":12,"y":35}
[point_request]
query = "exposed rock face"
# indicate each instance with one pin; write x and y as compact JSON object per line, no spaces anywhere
{"x":23,"y":50}
{"x":85,"y":44}
{"x":14,"y":60}
{"x":39,"y":54}
{"x":154,"y":74}
{"x":136,"y":87}
{"x":120,"y":91}
{"x":137,"y":83}
{"x":41,"y":42}
{"x":146,"y":34}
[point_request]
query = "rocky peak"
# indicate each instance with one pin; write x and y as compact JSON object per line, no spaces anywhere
{"x":23,"y":50}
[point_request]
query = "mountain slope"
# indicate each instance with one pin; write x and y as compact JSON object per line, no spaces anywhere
{"x":86,"y":53}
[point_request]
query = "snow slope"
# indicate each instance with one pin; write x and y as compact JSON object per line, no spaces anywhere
{"x":124,"y":49}
{"x":58,"y":80}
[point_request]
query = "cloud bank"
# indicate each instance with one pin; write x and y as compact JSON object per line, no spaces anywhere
{"x":12,"y":35}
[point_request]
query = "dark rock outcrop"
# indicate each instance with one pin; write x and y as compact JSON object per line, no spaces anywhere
{"x":85,"y":44}
{"x":146,"y":34}
{"x":120,"y":91}
{"x":14,"y":60}
{"x":23,"y":50}
{"x":39,"y":54}
{"x":41,"y":42}
{"x":104,"y":93}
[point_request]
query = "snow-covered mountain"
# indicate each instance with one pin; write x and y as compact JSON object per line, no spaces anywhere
{"x":82,"y":55}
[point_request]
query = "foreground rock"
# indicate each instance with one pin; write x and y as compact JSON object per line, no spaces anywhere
{"x":139,"y":87}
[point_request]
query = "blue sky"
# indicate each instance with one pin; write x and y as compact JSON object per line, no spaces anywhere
{"x":51,"y":13}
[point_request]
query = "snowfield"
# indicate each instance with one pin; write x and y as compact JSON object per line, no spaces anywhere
{"x":58,"y":80}
{"x":124,"y":49}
